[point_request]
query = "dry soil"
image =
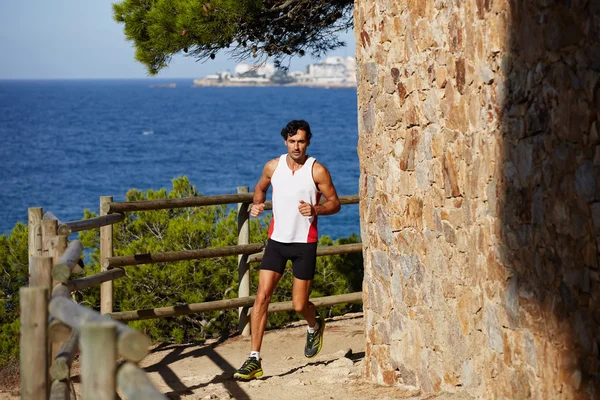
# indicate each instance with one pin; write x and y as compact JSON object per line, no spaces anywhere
{"x":205,"y":371}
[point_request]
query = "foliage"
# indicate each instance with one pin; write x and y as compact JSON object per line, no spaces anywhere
{"x":185,"y":282}
{"x":159,"y":285}
{"x":14,"y":271}
{"x":258,"y":28}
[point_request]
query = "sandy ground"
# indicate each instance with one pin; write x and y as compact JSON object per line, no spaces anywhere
{"x":205,"y":371}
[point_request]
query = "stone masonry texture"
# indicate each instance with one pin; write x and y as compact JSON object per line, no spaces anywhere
{"x":479,"y":150}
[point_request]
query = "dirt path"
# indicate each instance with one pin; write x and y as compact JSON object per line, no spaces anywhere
{"x":204,"y":372}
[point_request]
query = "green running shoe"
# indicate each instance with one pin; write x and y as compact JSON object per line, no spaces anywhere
{"x":314,"y":341}
{"x":251,"y":369}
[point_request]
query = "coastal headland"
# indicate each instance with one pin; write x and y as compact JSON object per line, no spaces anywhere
{"x":203,"y":82}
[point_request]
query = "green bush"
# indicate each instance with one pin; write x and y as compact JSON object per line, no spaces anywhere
{"x":14,"y":271}
{"x":168,"y":284}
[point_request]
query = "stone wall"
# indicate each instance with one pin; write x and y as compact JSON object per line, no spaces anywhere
{"x":480,"y":195}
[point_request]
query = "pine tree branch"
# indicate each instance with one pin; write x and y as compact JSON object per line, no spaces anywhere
{"x":283,"y":6}
{"x":238,"y":28}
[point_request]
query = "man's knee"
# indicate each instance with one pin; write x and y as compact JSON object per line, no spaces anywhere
{"x":262,"y":298}
{"x":299,"y":305}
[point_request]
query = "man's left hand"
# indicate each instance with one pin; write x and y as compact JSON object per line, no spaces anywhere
{"x":306,"y":209}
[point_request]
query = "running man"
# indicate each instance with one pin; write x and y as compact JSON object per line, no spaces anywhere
{"x":298,"y":182}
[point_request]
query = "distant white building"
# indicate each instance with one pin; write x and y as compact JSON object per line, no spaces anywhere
{"x":299,"y":76}
{"x":250,"y":80}
{"x":254,"y":71}
{"x":219,"y":76}
{"x":213,"y":79}
{"x":333,"y":70}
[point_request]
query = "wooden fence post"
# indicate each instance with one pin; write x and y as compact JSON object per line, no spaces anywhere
{"x":49,"y":230}
{"x":243,"y":266}
{"x":34,"y":341}
{"x":41,"y":276}
{"x":41,"y":272}
{"x":34,"y":231}
{"x":106,"y":251}
{"x":98,"y":360}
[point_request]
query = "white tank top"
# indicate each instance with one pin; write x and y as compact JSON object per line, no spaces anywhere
{"x":289,"y":187}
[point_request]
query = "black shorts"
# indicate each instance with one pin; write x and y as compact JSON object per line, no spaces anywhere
{"x":302,"y":255}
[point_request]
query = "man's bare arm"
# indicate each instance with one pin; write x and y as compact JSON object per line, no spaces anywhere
{"x":325,"y":185}
{"x":260,"y":190}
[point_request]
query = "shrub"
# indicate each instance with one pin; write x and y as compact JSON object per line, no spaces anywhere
{"x":168,"y":284}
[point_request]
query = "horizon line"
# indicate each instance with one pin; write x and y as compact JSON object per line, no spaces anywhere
{"x":90,"y":79}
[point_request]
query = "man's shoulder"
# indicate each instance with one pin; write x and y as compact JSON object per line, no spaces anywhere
{"x":318,"y":167}
{"x":272,"y":164}
{"x":273,"y":161}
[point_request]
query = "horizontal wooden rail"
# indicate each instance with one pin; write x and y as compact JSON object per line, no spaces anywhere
{"x":61,"y":365}
{"x":162,"y":204}
{"x":123,"y":261}
{"x":321,"y":251}
{"x":136,"y":385}
{"x":59,"y":332}
{"x":185,"y":309}
{"x":132,"y":345}
{"x":326,"y":301}
{"x":59,"y":390}
{"x":67,"y":228}
{"x":68,"y":262}
{"x":96,"y":279}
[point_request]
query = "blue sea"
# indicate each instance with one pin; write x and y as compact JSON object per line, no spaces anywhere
{"x":66,"y":143}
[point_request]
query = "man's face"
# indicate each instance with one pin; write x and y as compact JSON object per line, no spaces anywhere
{"x":297,"y":145}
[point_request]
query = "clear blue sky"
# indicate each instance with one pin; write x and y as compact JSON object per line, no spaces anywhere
{"x":77,"y":39}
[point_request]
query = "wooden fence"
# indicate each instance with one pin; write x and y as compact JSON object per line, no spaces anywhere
{"x":54,"y":327}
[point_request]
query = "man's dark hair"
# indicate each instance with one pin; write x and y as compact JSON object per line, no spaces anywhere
{"x":292,"y":127}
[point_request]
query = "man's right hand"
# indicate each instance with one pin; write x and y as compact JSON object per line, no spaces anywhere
{"x":257,"y":209}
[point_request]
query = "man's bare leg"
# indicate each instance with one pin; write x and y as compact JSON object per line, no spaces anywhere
{"x":267,"y":282}
{"x":314,"y":335}
{"x":300,"y":293}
